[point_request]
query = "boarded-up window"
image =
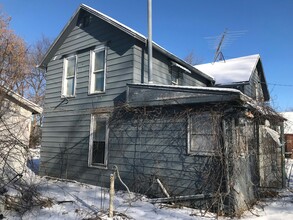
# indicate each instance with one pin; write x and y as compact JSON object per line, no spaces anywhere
{"x":203,"y":134}
{"x":98,"y":149}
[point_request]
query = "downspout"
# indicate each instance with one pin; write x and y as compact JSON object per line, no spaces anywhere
{"x":150,"y":43}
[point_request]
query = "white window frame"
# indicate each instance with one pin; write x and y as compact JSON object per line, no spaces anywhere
{"x":91,"y":70}
{"x":94,"y":118}
{"x":64,"y":78}
{"x":202,"y":151}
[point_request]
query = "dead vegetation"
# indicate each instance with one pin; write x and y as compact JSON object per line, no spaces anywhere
{"x":225,"y":159}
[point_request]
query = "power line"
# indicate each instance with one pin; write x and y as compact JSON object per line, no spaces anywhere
{"x":278,"y":84}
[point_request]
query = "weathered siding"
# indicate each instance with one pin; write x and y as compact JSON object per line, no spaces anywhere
{"x":242,"y":162}
{"x":142,"y":147}
{"x":146,"y":146}
{"x":254,"y":88}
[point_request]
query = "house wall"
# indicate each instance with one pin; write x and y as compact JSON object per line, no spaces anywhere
{"x":255,"y":161}
{"x":162,"y":68}
{"x":143,"y":148}
{"x":66,"y":124}
{"x":270,"y":159}
{"x":242,"y":150}
{"x":15,"y":127}
{"x":254,"y":88}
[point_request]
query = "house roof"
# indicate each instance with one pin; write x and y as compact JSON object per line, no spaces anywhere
{"x":288,"y":128}
{"x":158,"y":95}
{"x":21,"y":101}
{"x":57,"y":43}
{"x":236,"y":71}
{"x":231,"y":71}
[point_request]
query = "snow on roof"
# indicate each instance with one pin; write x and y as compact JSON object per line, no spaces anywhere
{"x":232,"y":70}
{"x":288,"y":127}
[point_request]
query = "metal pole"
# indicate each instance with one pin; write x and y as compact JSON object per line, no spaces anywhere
{"x":150,"y":43}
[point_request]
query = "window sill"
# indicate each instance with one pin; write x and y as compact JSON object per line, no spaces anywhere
{"x":96,"y":93}
{"x":98,"y":166}
{"x":203,"y":154}
{"x":67,"y":97}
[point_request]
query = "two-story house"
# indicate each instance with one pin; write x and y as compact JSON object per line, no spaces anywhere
{"x":100,"y":112}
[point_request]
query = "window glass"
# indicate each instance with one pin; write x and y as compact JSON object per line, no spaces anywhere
{"x":203,"y":133}
{"x":71,"y":67}
{"x":99,"y":81}
{"x":98,"y":72}
{"x":99,"y":61}
{"x":98,"y":146}
{"x":70,"y":87}
{"x":69,"y":74}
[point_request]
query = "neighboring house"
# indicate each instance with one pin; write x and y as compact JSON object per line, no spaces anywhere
{"x":15,"y":127}
{"x":199,"y":140}
{"x":288,"y":131}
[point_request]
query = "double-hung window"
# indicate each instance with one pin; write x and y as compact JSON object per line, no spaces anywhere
{"x":98,"y":144}
{"x":97,"y":71}
{"x":69,"y":76}
{"x":203,"y":129}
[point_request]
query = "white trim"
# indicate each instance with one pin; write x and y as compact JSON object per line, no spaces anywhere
{"x":64,"y":77}
{"x":91,"y":80}
{"x":181,"y":67}
{"x":91,"y":139}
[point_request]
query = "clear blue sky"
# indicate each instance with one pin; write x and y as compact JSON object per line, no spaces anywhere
{"x":181,"y":26}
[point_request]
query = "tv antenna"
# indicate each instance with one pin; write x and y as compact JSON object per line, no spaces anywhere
{"x":222,"y":41}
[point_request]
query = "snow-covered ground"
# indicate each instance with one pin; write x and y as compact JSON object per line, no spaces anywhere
{"x":73,"y":200}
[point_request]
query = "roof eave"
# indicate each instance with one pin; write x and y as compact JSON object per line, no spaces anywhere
{"x":123,"y":28}
{"x":47,"y":57}
{"x":25,"y":103}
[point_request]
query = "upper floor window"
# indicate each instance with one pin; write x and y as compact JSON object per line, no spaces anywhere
{"x":175,"y":77}
{"x":98,"y":144}
{"x":97,"y":82}
{"x":69,"y":76}
{"x":177,"y":72}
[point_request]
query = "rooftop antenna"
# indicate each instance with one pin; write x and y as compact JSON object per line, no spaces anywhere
{"x":218,"y":54}
{"x":222,"y":41}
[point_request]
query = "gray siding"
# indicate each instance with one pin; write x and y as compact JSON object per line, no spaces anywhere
{"x":254,"y":88}
{"x":161,"y":69}
{"x":150,"y":144}
{"x":66,"y":125}
{"x":139,"y":156}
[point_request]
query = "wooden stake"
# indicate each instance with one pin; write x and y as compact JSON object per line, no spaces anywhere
{"x":163,"y":188}
{"x":112,"y":192}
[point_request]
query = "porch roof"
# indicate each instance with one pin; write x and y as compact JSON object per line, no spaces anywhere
{"x":158,"y":95}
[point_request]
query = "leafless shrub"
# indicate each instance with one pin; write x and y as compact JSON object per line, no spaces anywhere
{"x":17,"y":190}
